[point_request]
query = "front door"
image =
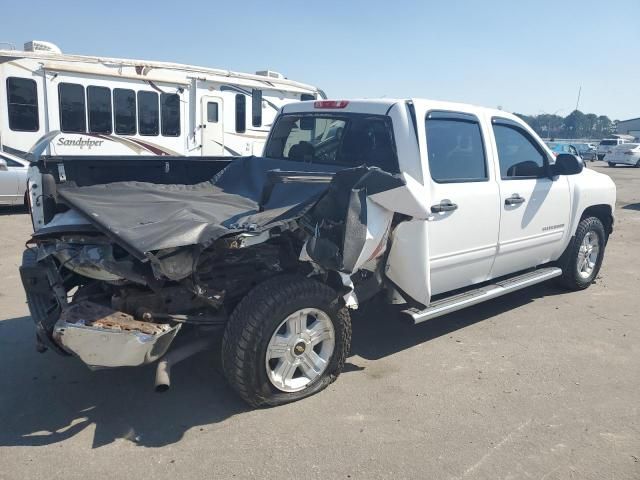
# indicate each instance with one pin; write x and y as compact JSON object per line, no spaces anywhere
{"x":463,"y":227}
{"x":212,"y":126}
{"x":534,"y":207}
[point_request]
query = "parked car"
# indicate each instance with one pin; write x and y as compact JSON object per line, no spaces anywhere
{"x":606,"y":146}
{"x":400,"y":199}
{"x":13,"y":180}
{"x":625,"y":154}
{"x":558,"y":148}
{"x":587,"y":151}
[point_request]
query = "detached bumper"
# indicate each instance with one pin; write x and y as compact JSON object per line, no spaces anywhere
{"x":100,"y":336}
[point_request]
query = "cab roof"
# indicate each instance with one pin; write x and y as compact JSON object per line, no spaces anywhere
{"x":381,"y":106}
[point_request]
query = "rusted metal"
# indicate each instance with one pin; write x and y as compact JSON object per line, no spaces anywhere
{"x":96,"y":315}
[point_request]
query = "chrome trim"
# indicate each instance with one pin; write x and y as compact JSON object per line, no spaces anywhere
{"x":482,"y":294}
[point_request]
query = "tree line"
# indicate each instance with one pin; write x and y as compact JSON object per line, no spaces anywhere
{"x":574,"y":125}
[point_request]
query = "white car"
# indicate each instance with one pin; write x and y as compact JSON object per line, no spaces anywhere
{"x":607,"y":145}
{"x":625,"y":154}
{"x":13,"y":180}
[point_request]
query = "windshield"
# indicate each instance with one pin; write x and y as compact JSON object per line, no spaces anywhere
{"x":334,"y":139}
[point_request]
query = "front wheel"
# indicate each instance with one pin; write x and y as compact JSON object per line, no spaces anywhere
{"x":286,"y":340}
{"x":611,"y":164}
{"x":637,"y":165}
{"x":581,"y":261}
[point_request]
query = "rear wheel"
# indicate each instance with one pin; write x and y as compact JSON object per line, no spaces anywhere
{"x":286,"y":340}
{"x":611,"y":164}
{"x":581,"y":261}
{"x":637,"y":165}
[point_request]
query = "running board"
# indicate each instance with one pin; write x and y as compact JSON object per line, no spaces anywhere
{"x":482,"y":294}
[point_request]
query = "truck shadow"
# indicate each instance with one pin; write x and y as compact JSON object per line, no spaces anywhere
{"x":48,"y":399}
{"x":377,"y":334}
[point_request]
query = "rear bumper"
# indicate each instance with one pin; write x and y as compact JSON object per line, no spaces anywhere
{"x":100,"y":336}
{"x":102,"y":346}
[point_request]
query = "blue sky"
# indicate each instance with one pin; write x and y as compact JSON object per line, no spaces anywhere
{"x":525,"y":56}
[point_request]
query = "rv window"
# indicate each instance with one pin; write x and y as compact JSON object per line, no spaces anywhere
{"x":170,"y":114}
{"x":212,"y":112}
{"x":124,"y":106}
{"x":148,"y":113}
{"x":22,"y":98}
{"x":99,"y":101}
{"x":307,"y":96}
{"x":241,"y":113}
{"x":256,"y":108}
{"x":72,"y":111}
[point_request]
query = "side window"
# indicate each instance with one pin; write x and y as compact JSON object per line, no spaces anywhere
{"x":124,"y":106}
{"x":99,"y":100}
{"x":307,"y":96}
{"x":455,"y":149}
{"x":518,"y":155}
{"x":256,"y":108}
{"x":72,"y":109}
{"x":148,"y":113}
{"x":22,"y":100}
{"x":11,"y":163}
{"x":241,"y":113}
{"x":170,"y":110}
{"x":212,"y":112}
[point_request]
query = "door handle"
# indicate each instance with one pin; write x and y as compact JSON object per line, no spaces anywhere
{"x":444,"y":206}
{"x":514,"y":199}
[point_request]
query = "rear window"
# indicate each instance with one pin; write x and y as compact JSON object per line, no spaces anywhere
{"x":609,"y":142}
{"x":348,"y":140}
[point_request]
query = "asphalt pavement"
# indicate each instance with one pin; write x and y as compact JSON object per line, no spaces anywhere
{"x":541,"y":383}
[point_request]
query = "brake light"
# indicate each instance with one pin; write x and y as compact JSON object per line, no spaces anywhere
{"x":330,"y":103}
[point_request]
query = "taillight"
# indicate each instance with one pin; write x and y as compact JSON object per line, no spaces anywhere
{"x":330,"y":103}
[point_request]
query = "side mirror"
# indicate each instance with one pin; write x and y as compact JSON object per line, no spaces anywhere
{"x":567,"y":164}
{"x":3,"y":165}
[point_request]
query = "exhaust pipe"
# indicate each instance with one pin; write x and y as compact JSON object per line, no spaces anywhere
{"x":163,"y":370}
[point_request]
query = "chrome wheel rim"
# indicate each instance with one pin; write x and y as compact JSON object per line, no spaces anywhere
{"x":588,"y":254}
{"x":300,"y":349}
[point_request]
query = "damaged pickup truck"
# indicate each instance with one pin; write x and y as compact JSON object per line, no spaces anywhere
{"x":436,"y":206}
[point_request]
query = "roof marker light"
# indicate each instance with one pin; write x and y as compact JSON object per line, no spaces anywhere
{"x":330,"y":103}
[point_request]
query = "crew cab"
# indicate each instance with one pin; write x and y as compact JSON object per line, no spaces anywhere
{"x":433,"y":206}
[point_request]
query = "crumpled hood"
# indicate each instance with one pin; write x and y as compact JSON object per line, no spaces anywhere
{"x":146,"y":217}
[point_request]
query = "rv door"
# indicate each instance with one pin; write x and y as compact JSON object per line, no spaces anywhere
{"x":211,"y":126}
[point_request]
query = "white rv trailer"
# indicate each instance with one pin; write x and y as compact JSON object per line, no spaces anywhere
{"x":111,"y":106}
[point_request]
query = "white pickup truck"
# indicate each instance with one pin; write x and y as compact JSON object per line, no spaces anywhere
{"x":436,"y":206}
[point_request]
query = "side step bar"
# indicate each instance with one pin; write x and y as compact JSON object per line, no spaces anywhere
{"x":482,"y":294}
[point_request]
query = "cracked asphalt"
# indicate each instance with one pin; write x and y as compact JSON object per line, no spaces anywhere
{"x":538,"y":384}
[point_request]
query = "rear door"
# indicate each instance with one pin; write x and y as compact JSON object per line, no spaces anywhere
{"x":463,"y":227}
{"x":212,"y":126}
{"x":535,"y":208}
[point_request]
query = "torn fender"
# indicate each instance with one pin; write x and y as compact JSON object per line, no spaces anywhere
{"x":352,"y":220}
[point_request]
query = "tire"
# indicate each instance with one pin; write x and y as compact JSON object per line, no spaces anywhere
{"x":575,"y":274}
{"x":261,"y":315}
{"x":611,"y":164}
{"x":637,"y":165}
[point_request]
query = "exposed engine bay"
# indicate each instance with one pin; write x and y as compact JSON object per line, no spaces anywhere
{"x":145,"y":261}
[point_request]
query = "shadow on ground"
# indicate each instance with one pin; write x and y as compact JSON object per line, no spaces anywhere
{"x":632,"y":206}
{"x":48,"y":398}
{"x":13,"y":210}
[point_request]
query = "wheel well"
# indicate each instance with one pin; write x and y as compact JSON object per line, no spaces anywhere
{"x":603,"y":213}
